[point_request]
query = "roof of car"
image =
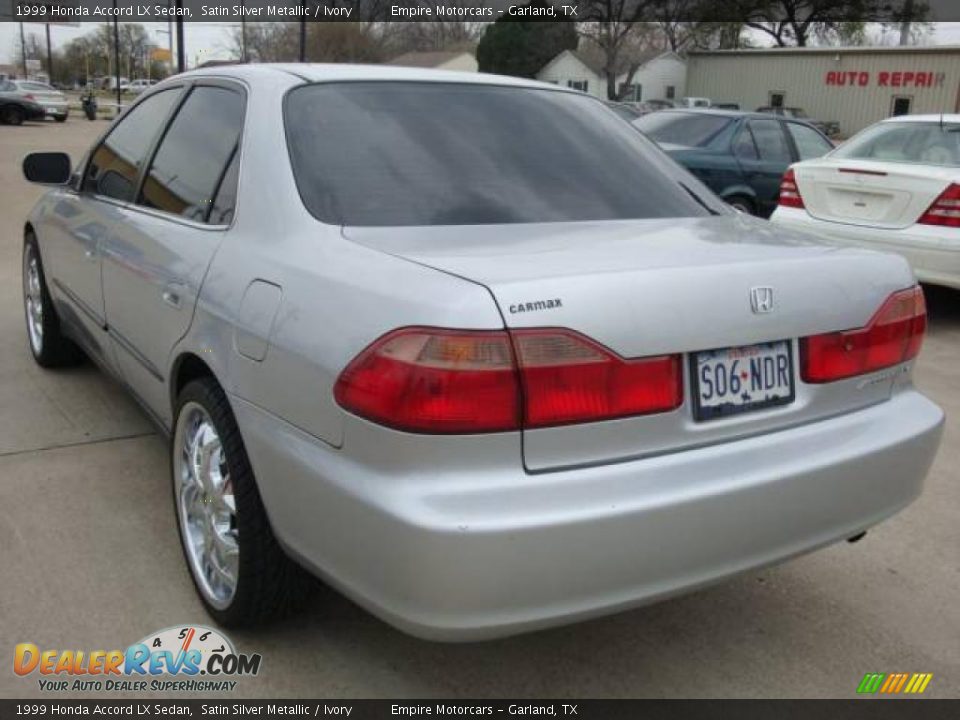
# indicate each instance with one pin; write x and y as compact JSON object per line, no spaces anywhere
{"x":719,"y":112}
{"x":947,"y":117}
{"x":333,"y":72}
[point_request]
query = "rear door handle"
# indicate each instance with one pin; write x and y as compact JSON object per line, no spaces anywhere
{"x":172,"y":295}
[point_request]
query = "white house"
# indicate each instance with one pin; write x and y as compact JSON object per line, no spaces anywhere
{"x":439,"y":60}
{"x":662,"y":75}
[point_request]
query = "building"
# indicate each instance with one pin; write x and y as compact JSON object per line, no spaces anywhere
{"x":855,"y":86}
{"x":661,"y":75}
{"x":456,"y":60}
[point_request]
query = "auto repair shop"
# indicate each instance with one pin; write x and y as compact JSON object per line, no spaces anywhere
{"x":855,"y":86}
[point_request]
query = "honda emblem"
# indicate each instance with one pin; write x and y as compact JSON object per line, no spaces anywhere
{"x":761,"y":300}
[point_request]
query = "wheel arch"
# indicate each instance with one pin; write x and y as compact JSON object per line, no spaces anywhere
{"x":188,"y":367}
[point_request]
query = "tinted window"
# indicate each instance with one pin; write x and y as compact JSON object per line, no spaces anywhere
{"x":221,"y":213}
{"x":771,"y":142}
{"x":194,"y":153}
{"x":744,"y":146}
{"x":908,"y":142}
{"x":810,"y":143}
{"x":406,"y":153}
{"x":115,"y":164}
{"x":683,"y":128}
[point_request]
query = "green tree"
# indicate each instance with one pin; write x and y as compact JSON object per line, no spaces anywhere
{"x":511,"y":46}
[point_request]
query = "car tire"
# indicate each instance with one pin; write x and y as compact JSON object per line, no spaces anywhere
{"x":12,"y":115}
{"x":60,"y":118}
{"x":741,"y":203}
{"x":49,"y":346}
{"x":240,"y":572}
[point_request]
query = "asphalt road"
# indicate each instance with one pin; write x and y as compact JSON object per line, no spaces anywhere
{"x":89,"y":558}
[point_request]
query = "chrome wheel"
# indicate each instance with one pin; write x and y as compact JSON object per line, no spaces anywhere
{"x":33,"y":299}
{"x":206,"y":505}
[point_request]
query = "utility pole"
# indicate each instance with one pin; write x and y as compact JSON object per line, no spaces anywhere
{"x":49,"y":57}
{"x":116,"y":52}
{"x":23,"y":52}
{"x":181,"y":54}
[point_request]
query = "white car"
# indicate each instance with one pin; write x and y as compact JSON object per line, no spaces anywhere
{"x":137,"y":86}
{"x":895,"y":186}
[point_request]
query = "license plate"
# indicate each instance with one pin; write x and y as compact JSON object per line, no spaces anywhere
{"x":729,"y":381}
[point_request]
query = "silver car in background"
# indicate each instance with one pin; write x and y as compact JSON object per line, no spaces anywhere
{"x":469,"y":348}
{"x":54,"y":103}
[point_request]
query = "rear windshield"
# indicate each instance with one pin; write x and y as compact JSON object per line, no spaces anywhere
{"x":410,"y":153}
{"x":682,"y":128}
{"x":908,"y":142}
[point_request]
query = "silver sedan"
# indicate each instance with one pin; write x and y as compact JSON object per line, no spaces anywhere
{"x":469,"y":348}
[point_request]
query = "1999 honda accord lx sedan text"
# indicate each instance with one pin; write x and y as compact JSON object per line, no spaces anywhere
{"x":469,"y":348}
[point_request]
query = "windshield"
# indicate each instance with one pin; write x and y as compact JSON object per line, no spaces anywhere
{"x":682,"y":128}
{"x":907,"y":142}
{"x":409,"y":153}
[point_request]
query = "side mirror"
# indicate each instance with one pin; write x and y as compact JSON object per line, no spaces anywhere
{"x":47,"y":168}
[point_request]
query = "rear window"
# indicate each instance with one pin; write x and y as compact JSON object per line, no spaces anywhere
{"x":409,"y":153}
{"x":908,"y":142}
{"x":682,"y":128}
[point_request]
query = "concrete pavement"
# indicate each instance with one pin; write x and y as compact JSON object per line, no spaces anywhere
{"x":89,"y":557}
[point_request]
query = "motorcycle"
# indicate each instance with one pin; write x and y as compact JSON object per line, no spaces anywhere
{"x":89,"y":102}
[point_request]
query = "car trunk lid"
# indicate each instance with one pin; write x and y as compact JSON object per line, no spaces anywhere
{"x":869,"y":193}
{"x":656,"y":287}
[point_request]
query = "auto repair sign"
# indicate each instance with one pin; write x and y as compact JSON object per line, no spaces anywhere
{"x":886,"y":78}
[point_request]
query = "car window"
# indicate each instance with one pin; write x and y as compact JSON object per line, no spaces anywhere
{"x":36,"y":87}
{"x":908,"y":142}
{"x":771,"y":142}
{"x":743,"y":145}
{"x":7,"y":87}
{"x":690,"y":129}
{"x":224,"y":205}
{"x":810,"y":143}
{"x":115,"y":165}
{"x":413,"y":153}
{"x":194,"y":153}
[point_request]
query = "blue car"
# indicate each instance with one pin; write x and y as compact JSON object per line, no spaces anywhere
{"x":741,"y":156}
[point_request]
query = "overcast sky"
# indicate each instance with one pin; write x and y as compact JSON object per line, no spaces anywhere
{"x":209,"y":40}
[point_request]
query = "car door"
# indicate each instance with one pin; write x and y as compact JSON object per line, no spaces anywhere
{"x":764,"y":172}
{"x":154,"y":264}
{"x":82,"y":216}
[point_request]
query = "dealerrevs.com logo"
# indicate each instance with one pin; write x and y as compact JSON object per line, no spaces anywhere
{"x":190,"y":658}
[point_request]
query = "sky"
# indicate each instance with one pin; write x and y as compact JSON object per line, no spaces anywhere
{"x":210,"y":40}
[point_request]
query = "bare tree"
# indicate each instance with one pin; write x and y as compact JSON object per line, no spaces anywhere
{"x":617,"y":28}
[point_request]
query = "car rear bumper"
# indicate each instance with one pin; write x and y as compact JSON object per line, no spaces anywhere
{"x":933,"y":253}
{"x":516,"y":552}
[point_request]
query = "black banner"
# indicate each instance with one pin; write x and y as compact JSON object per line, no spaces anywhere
{"x":863,"y":709}
{"x":60,"y":11}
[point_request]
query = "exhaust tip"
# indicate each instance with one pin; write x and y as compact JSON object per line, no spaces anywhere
{"x":856,"y":538}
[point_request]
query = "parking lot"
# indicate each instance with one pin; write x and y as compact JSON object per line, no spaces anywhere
{"x":89,"y":557}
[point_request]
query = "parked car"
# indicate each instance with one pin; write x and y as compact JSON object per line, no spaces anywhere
{"x":15,"y":108}
{"x":894,"y":186}
{"x":136,"y":87}
{"x":627,"y":112}
{"x":830,"y":128}
{"x":654,"y":105}
{"x":482,"y":386}
{"x":725,"y":106}
{"x":53,"y":102}
{"x":741,"y":156}
{"x":693,"y":102}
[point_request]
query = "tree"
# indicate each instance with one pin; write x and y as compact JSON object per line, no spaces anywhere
{"x":511,"y":46}
{"x":619,"y":28}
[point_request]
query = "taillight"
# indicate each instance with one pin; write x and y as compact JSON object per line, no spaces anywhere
{"x":28,"y":96}
{"x":460,"y":381}
{"x":945,"y":210}
{"x":789,"y":192}
{"x":568,"y":378}
{"x":892,"y":336}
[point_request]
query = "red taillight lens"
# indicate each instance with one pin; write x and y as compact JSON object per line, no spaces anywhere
{"x":789,"y":192}
{"x":28,"y":96}
{"x":434,"y":381}
{"x":459,"y":381}
{"x":945,"y":210}
{"x":892,"y":336}
{"x":568,"y":378}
